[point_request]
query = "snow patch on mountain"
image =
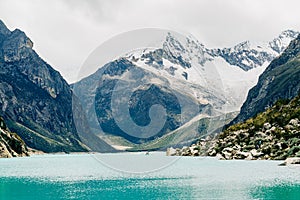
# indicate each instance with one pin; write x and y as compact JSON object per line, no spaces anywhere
{"x":229,"y":72}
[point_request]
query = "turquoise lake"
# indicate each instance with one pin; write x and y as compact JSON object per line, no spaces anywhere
{"x":140,"y":176}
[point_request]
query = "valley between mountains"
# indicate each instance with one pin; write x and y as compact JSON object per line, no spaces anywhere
{"x":202,"y":90}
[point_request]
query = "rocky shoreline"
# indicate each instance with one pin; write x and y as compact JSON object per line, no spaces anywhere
{"x":11,"y":145}
{"x":268,"y":143}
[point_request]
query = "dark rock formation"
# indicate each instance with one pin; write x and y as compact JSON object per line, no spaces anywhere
{"x":273,"y":134}
{"x":11,"y":145}
{"x":35,"y":100}
{"x":279,"y":81}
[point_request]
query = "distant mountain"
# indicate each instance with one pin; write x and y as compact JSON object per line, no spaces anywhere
{"x":35,"y":100}
{"x":97,"y":99}
{"x":181,"y":74}
{"x":247,"y":55}
{"x":217,"y":80}
{"x":232,"y":71}
{"x":11,"y":145}
{"x":281,"y":80}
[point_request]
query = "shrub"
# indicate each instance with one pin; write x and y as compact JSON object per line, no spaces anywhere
{"x":292,"y":151}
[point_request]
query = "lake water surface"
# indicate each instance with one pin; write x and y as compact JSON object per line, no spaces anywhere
{"x":140,"y":176}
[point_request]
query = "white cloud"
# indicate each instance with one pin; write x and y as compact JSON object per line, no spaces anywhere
{"x":65,"y":32}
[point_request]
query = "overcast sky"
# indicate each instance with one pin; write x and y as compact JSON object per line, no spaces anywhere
{"x":65,"y":32}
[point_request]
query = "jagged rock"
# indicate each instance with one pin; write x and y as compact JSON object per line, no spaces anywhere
{"x":267,"y":126}
{"x":249,"y":157}
{"x":280,"y":138}
{"x":260,"y":134}
{"x":256,"y":153}
{"x":294,"y":122}
{"x":291,"y":161}
{"x":212,"y":152}
{"x":228,"y":149}
{"x":220,"y":157}
{"x":195,"y":152}
{"x":237,"y":147}
{"x":36,"y":102}
{"x":227,"y":155}
{"x":16,"y":46}
{"x":273,"y":129}
{"x":289,"y":127}
{"x":4,"y":153}
{"x":280,"y":80}
{"x":241,"y":155}
{"x":11,"y":145}
{"x":171,"y":151}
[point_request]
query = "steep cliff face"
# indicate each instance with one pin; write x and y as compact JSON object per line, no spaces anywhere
{"x":35,"y":100}
{"x":11,"y":145}
{"x":281,"y":80}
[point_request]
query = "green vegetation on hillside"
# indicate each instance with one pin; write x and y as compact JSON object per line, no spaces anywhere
{"x":273,"y":134}
{"x":280,"y":80}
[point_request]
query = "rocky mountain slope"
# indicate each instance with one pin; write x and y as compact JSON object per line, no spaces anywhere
{"x":11,"y":145}
{"x":217,"y":80}
{"x":231,"y":71}
{"x":279,"y":81}
{"x":35,"y":100}
{"x":273,"y":134}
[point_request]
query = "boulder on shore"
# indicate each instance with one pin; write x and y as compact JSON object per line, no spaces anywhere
{"x":291,"y":161}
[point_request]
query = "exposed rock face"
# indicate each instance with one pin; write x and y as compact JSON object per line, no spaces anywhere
{"x":35,"y":100}
{"x":272,"y":135}
{"x":179,"y":62}
{"x":16,"y":46}
{"x":140,"y":102}
{"x":291,"y":161}
{"x":11,"y":145}
{"x":279,"y":81}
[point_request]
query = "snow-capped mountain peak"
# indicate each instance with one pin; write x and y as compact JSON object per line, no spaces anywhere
{"x":185,"y":59}
{"x":187,"y":49}
{"x":173,"y":44}
{"x":282,"y":41}
{"x":242,"y":46}
{"x":250,"y":55}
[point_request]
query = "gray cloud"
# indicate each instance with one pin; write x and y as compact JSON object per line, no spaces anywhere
{"x":65,"y":32}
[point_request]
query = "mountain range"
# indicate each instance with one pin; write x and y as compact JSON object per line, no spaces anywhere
{"x":268,"y":125}
{"x":194,"y":85}
{"x":279,"y":81}
{"x":214,"y":81}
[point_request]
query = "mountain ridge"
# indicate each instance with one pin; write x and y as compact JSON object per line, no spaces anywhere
{"x":35,"y":100}
{"x":280,"y":80}
{"x":182,"y":63}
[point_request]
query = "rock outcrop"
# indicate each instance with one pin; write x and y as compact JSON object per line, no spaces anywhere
{"x":271,"y":142}
{"x":271,"y":135}
{"x":291,"y":161}
{"x":11,"y":145}
{"x":35,"y":101}
{"x":279,"y":81}
{"x":268,"y":126}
